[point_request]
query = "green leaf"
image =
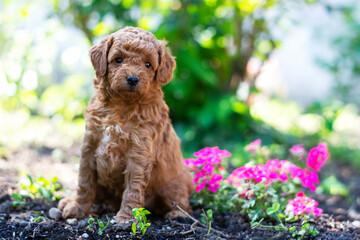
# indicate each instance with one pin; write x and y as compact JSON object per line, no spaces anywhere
{"x":250,"y":203}
{"x":270,"y":211}
{"x":276,"y":206}
{"x":209,"y":214}
{"x":100,"y":223}
{"x":255,"y":215}
{"x":134,"y":211}
{"x":133,"y":228}
{"x":144,"y":218}
{"x":146,"y":212}
{"x":255,"y":225}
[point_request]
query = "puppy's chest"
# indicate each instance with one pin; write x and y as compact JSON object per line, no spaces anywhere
{"x":111,"y":153}
{"x":115,"y":141}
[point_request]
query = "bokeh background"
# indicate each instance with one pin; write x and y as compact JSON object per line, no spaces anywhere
{"x":284,"y":71}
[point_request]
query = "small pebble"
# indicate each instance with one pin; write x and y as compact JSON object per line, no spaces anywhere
{"x":82,"y":224}
{"x":117,"y":236}
{"x":112,"y":221}
{"x":55,"y":213}
{"x":85,"y":235}
{"x":71,"y":220}
{"x":356,"y":223}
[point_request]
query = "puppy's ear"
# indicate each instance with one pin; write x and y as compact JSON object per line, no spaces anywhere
{"x":167,"y":65}
{"x":98,"y":55}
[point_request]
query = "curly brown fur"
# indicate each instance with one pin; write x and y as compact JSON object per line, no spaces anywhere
{"x":131,"y":154}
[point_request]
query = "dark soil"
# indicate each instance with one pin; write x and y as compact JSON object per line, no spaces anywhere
{"x":20,"y":223}
{"x":340,"y":220}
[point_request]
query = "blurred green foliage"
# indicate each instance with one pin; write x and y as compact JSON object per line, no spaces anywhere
{"x":45,"y":72}
{"x":41,"y":188}
{"x":345,"y":65}
{"x":212,"y":41}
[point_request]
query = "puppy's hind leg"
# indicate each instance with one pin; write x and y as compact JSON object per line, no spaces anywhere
{"x":178,"y":193}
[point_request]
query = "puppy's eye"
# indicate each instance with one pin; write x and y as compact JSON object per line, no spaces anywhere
{"x":118,"y":60}
{"x":148,"y":65}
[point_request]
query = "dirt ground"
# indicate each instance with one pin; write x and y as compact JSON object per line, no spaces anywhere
{"x":341,"y":218}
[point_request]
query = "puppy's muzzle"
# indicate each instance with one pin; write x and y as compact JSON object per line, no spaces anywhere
{"x":132,"y":80}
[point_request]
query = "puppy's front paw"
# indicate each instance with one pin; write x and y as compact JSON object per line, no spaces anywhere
{"x":122,"y":217}
{"x":71,"y":209}
{"x":174,"y":214}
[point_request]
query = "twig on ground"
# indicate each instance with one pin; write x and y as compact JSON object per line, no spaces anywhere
{"x":197,"y":222}
{"x":192,"y":229}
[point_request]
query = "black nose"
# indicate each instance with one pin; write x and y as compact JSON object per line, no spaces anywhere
{"x":132,"y":80}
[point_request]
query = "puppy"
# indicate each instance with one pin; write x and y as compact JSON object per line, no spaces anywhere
{"x":131,"y":155}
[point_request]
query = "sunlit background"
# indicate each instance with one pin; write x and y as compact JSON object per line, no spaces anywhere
{"x":284,"y":71}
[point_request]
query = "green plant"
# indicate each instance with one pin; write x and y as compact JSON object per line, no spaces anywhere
{"x":90,"y":222}
{"x":38,"y":219}
{"x":17,"y":199}
{"x":305,"y":230}
{"x":41,"y":188}
{"x":140,"y":217}
{"x":263,"y":189}
{"x":332,"y":186}
{"x":207,"y":218}
{"x":102,"y":227}
{"x":274,"y":212}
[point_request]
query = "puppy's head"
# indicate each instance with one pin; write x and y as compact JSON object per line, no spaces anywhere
{"x":130,"y":63}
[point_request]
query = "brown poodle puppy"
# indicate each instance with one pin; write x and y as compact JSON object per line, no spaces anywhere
{"x":131,"y":155}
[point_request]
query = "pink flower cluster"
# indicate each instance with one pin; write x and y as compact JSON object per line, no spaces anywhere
{"x":252,"y":146}
{"x":205,"y":166}
{"x":303,"y":204}
{"x":271,"y":171}
{"x":317,"y":157}
{"x":297,"y":149}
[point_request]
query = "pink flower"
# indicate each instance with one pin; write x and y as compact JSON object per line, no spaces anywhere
{"x":283,"y":177}
{"x":272,"y":171}
{"x":214,"y":160}
{"x":300,"y":194}
{"x":213,"y":187}
{"x":252,"y":146}
{"x":208,"y":168}
{"x":309,"y":179}
{"x":303,"y":204}
{"x":216,"y":178}
{"x":212,"y":152}
{"x":317,"y":157}
{"x":297,"y":149}
{"x":198,"y":175}
{"x":200,"y":186}
{"x":205,"y":166}
{"x":189,"y":163}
